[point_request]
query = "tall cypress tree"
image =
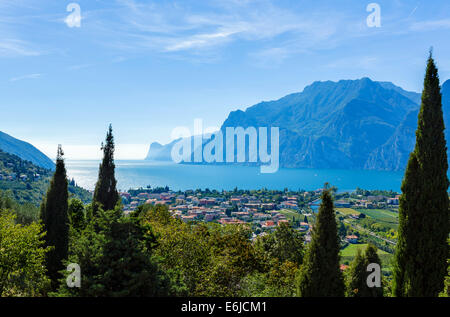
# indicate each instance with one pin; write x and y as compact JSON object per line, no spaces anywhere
{"x":421,"y":251}
{"x":55,"y":219}
{"x":105,"y":194}
{"x":320,"y":274}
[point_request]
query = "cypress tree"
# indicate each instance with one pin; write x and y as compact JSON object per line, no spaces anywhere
{"x":320,"y":274}
{"x":357,"y":275}
{"x":421,"y":251}
{"x":55,"y":219}
{"x":357,"y":280}
{"x":105,"y":194}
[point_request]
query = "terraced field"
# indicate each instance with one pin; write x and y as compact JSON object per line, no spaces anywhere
{"x":382,"y":215}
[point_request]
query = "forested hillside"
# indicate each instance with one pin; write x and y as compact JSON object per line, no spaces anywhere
{"x":26,"y":182}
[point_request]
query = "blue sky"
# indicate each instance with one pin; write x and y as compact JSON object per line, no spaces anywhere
{"x":150,"y":66}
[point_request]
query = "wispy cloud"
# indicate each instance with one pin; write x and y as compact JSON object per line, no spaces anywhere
{"x":15,"y":47}
{"x":28,"y":76}
{"x":200,"y":40}
{"x":431,"y":25}
{"x":174,"y":28}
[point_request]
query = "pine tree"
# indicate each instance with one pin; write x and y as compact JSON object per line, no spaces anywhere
{"x":320,"y":274}
{"x":55,"y":219}
{"x":357,"y":279}
{"x":421,"y":251}
{"x":105,"y":194}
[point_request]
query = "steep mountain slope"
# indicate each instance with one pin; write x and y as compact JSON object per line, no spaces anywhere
{"x":24,"y":150}
{"x":332,"y":124}
{"x":394,"y":154}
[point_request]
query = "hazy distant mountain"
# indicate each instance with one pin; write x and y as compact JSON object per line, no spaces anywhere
{"x":25,"y":151}
{"x":159,"y":152}
{"x":350,"y":124}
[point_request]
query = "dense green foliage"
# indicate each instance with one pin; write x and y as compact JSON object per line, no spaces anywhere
{"x":116,"y":256}
{"x":422,"y":250}
{"x":320,"y":273}
{"x":22,"y":258}
{"x":105,"y":194}
{"x":284,"y":244}
{"x":76,"y":213}
{"x":357,"y":276}
{"x":55,"y":219}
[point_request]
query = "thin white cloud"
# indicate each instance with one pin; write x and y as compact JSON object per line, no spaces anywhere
{"x":29,"y":76}
{"x":172,"y":28}
{"x":15,"y":47}
{"x":431,"y":25}
{"x":200,"y":40}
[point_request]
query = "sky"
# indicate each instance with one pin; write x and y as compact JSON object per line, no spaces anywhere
{"x":148,"y":67}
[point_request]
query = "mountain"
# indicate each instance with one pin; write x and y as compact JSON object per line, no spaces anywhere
{"x":349,"y":124}
{"x":159,"y":152}
{"x":394,"y":154}
{"x":25,"y":151}
{"x":331,"y":124}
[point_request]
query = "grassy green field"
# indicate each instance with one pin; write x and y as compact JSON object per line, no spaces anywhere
{"x":381,"y":215}
{"x":290,"y":213}
{"x":348,"y":211}
{"x":349,"y":252}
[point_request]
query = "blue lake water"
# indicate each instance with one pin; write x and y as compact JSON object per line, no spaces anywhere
{"x":133,"y":174}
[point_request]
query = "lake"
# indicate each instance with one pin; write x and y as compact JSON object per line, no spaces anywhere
{"x":134,"y":174}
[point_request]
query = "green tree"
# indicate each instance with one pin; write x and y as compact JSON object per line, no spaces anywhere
{"x":76,"y":212}
{"x":115,"y":254}
{"x":421,"y":251}
{"x":357,"y":278}
{"x":320,"y":274}
{"x":22,"y":258}
{"x":284,"y":244}
{"x":105,"y":194}
{"x":55,"y":219}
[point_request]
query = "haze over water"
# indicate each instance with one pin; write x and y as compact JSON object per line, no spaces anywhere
{"x":134,"y":174}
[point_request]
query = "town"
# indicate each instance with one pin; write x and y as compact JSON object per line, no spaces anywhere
{"x":363,"y":216}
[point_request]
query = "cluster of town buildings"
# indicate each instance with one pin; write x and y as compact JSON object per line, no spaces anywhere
{"x":263,"y":216}
{"x":234,"y":210}
{"x":368,"y":202}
